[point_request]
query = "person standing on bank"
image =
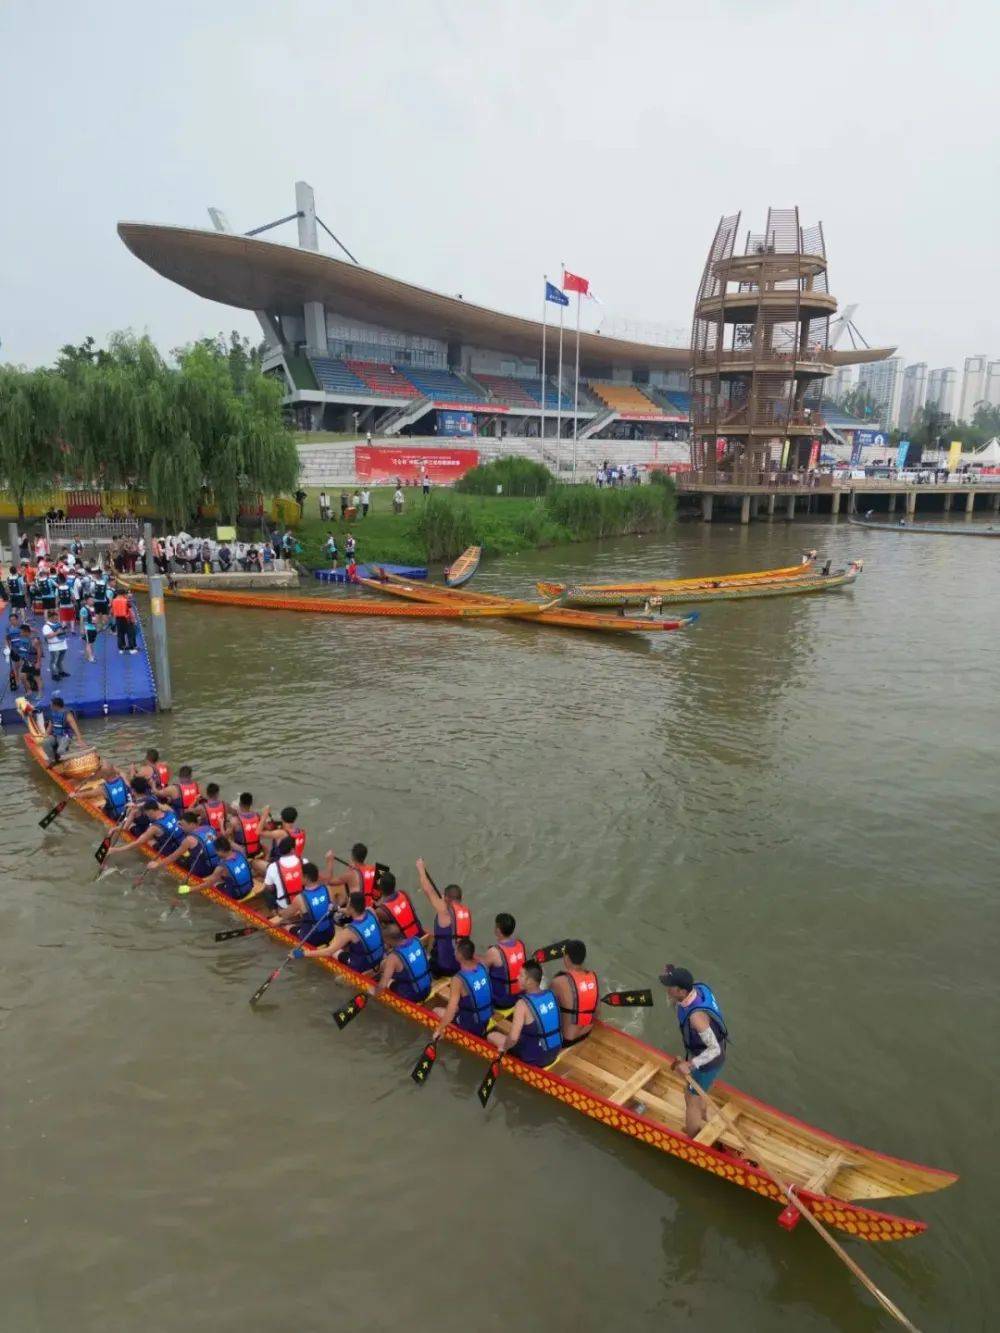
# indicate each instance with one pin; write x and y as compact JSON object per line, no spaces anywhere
{"x":366,"y":500}
{"x":123,"y":613}
{"x":704,"y":1034}
{"x":324,"y":507}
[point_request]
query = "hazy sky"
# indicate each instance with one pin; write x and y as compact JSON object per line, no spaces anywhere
{"x":470,"y":147}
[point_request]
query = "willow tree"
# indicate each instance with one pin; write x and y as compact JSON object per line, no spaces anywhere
{"x":33,"y":450}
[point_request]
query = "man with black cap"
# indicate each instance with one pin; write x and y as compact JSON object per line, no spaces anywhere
{"x":704,"y":1034}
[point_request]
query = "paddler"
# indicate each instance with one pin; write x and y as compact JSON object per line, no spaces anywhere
{"x":405,"y":969}
{"x":505,"y":962}
{"x":245,"y":824}
{"x":283,"y":876}
{"x":311,"y":912}
{"x":183,"y":794}
{"x":395,"y":906}
{"x":576,"y":994}
{"x":535,"y":1036}
{"x":470,"y":1000}
{"x":275,"y":834}
{"x":214,"y":808}
{"x":359,"y":943}
{"x":359,"y":877}
{"x":704,"y":1034}
{"x":61,"y":729}
{"x":152,"y":769}
{"x":163,"y":831}
{"x":197,"y":844}
{"x":233,"y":875}
{"x":452,"y":922}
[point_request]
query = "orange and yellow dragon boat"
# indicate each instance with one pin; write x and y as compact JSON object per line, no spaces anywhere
{"x":631,"y":1087}
{"x":638,"y":592}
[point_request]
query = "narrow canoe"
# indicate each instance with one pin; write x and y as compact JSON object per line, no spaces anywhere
{"x":928,"y":529}
{"x":341,"y":607}
{"x":653,"y":587}
{"x":630,"y":1086}
{"x":464,"y":567}
{"x":436,"y":595}
{"x":841,"y":578}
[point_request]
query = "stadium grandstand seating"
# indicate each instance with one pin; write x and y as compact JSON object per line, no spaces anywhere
{"x":622,"y":397}
{"x":503,"y":389}
{"x":302,"y":373}
{"x":681,"y":399}
{"x":383,"y":380}
{"x":334,"y":376}
{"x":443,"y":387}
{"x":534,"y":389}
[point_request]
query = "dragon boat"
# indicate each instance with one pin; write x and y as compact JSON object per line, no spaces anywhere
{"x":782,"y":587}
{"x":644,"y":588}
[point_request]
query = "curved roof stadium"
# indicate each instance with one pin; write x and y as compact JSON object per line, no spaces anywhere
{"x":253,"y":274}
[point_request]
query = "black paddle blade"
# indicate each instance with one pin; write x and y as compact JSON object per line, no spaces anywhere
{"x":100,"y":856}
{"x":485,"y":1090}
{"x":236,"y":934}
{"x":53,"y":814}
{"x":350,"y":1011}
{"x":629,"y":999}
{"x":422,"y":1069}
{"x":258,"y":993}
{"x":550,"y":952}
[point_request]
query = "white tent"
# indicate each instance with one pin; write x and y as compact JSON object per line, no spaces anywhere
{"x":989,"y":456}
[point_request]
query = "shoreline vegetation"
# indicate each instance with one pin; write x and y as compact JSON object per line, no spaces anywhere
{"x":438,"y":527}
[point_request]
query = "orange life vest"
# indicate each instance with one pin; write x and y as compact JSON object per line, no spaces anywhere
{"x":400,"y":908}
{"x":189,"y":793}
{"x":290,"y":874}
{"x":368,"y":888}
{"x":585,"y":997}
{"x":162,"y":774}
{"x":215,"y":812}
{"x":250,"y":824}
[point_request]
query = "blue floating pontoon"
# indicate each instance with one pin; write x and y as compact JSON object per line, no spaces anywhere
{"x":368,"y":572}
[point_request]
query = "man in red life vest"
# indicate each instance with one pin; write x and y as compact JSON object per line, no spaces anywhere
{"x":272,"y":837}
{"x":395,"y":906}
{"x":452,"y":922}
{"x":577,"y":995}
{"x":151,"y":768}
{"x":505,"y":961}
{"x":185,"y":792}
{"x":214,"y":808}
{"x":245,"y":825}
{"x":359,"y":877}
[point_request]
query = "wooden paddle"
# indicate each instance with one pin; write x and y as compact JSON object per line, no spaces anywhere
{"x":789,"y":1191}
{"x":297,"y":952}
{"x":628,"y":999}
{"x":54,"y":813}
{"x":421,"y":1071}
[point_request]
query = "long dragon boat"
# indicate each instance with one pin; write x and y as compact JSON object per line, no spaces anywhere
{"x":644,"y":588}
{"x":629,"y":1086}
{"x":462,"y":569}
{"x":928,"y":529}
{"x":784,"y":587}
{"x":437,"y":595}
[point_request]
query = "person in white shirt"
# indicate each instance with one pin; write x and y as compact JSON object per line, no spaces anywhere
{"x":55,"y":636}
{"x":366,"y":500}
{"x":397,"y":500}
{"x":324,"y":507}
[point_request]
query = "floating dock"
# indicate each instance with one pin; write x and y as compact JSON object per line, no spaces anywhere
{"x":368,"y":572}
{"x":114,"y":683}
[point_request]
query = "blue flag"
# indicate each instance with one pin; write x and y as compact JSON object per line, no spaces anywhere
{"x":554,"y":295}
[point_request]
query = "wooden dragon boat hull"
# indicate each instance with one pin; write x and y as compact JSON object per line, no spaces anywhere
{"x":340,"y":607}
{"x":630,"y":1086}
{"x":564,"y":618}
{"x":655,"y":587}
{"x":577,"y":597}
{"x":462,"y":570}
{"x":928,"y":529}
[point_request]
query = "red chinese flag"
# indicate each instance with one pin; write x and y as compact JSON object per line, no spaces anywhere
{"x":572,"y":282}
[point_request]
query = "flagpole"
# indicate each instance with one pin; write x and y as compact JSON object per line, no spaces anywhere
{"x":576,"y":384}
{"x":545,"y":302}
{"x":559,"y":397}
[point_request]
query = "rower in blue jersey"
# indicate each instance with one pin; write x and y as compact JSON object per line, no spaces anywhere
{"x":234,"y":874}
{"x":704,"y":1034}
{"x":405,"y":969}
{"x":310,"y":914}
{"x":61,"y":729}
{"x":470,"y":996}
{"x":197,"y":844}
{"x":162,"y":829}
{"x":358,"y":942}
{"x":535,"y":1034}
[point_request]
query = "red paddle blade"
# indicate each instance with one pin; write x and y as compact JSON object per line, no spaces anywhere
{"x":350,"y":1011}
{"x":100,"y":856}
{"x":422,"y":1069}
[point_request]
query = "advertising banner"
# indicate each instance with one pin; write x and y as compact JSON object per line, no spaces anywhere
{"x":954,"y":455}
{"x":814,"y":453}
{"x":902,"y":449}
{"x":785,"y":448}
{"x":438,"y":465}
{"x":455,"y":423}
{"x":856,"y":447}
{"x":877,"y":438}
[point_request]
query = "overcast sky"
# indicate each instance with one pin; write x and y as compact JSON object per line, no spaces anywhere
{"x":470,"y":147}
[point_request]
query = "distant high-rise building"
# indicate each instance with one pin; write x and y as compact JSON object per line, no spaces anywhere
{"x":839,"y":384}
{"x":914,"y":394}
{"x":991,"y":389}
{"x":973,"y":387}
{"x":883,"y":382}
{"x":941,"y":387}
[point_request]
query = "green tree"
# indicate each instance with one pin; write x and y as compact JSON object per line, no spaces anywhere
{"x":32,"y":418}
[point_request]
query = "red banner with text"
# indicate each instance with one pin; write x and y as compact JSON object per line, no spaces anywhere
{"x":437,"y":465}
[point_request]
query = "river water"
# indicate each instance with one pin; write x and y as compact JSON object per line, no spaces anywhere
{"x":797,"y":798}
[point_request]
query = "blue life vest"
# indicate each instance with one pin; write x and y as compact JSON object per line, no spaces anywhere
{"x":46,"y":589}
{"x":704,"y":1002}
{"x":170,"y":833}
{"x":16,"y":585}
{"x":101,"y":595}
{"x":115,"y":797}
{"x":319,"y":909}
{"x":65,"y":594}
{"x":415,"y":983}
{"x":86,"y":617}
{"x":365,"y":951}
{"x":203,"y":860}
{"x":541,"y":1042}
{"x":239,"y":876}
{"x":475,"y":1008}
{"x":59,"y":718}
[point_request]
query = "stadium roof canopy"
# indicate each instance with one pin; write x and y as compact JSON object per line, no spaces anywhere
{"x":261,"y":275}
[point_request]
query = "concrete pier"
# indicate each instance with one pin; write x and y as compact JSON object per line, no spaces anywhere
{"x":772,"y":501}
{"x":911,"y":503}
{"x":745,"y":509}
{"x":892,"y":504}
{"x":970,"y":502}
{"x":790,"y":509}
{"x":706,"y":507}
